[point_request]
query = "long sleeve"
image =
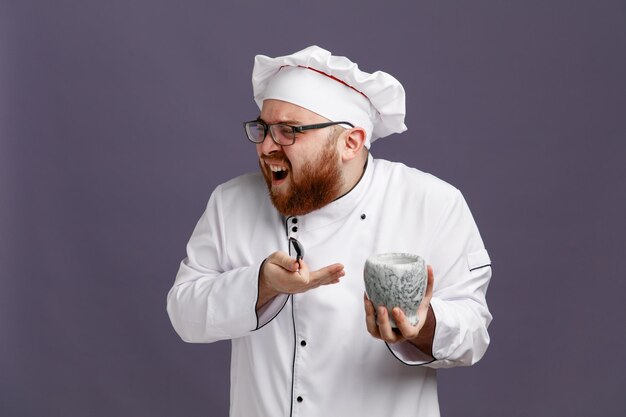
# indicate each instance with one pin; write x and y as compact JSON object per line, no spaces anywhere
{"x":210,"y":300}
{"x":462,"y":270}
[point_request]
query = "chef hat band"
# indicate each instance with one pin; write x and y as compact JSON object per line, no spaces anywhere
{"x":333,"y":87}
{"x":321,"y":94}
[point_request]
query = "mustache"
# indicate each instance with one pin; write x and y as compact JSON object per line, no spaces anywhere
{"x":276,"y":157}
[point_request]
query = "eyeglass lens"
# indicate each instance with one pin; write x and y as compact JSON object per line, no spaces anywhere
{"x":283,"y":134}
{"x":255,"y":131}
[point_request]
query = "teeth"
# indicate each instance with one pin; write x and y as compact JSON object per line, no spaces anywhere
{"x":276,"y":168}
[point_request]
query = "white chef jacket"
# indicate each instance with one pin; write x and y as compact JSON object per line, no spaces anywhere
{"x":310,"y":354}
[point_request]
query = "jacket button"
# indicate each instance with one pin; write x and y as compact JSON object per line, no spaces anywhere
{"x":303,"y":343}
{"x":300,"y":399}
{"x":294,"y":220}
{"x":294,"y":229}
{"x":363,"y":216}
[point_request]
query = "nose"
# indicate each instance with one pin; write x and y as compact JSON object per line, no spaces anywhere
{"x":268,"y":146}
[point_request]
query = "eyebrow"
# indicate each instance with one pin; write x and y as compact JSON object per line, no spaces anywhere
{"x":287,"y":122}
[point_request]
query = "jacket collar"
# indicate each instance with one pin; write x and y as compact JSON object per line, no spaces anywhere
{"x":339,"y":208}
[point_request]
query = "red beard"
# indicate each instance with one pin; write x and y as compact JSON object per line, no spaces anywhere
{"x":318,"y":183}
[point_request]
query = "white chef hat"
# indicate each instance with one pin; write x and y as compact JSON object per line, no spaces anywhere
{"x":334,"y":88}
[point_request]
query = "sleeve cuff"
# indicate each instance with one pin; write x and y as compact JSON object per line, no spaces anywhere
{"x":272,"y":308}
{"x":409,"y":354}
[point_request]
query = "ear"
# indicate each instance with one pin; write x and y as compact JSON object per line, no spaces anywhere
{"x":351,"y":142}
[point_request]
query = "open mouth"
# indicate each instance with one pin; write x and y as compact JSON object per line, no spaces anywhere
{"x":279,"y":173}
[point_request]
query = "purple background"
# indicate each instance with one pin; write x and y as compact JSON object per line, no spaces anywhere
{"x":118,"y":118}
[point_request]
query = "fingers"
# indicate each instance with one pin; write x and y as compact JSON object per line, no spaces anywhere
{"x":407,"y":330}
{"x":370,"y":318}
{"x":379,"y":324}
{"x":330,"y":274}
{"x":384,"y":327}
{"x":286,"y":275}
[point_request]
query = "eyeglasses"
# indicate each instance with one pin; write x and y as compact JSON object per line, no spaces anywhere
{"x":282,"y":134}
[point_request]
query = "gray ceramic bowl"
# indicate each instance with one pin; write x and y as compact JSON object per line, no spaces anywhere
{"x":396,"y":280}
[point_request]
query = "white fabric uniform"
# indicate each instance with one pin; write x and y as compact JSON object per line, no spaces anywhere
{"x":310,"y":354}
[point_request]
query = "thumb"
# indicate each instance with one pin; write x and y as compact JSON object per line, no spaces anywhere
{"x":284,"y":261}
{"x":430,"y":283}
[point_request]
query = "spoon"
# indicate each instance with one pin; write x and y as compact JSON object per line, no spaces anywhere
{"x":297,"y":248}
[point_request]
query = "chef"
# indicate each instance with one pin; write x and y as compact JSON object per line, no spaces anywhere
{"x":275,"y":263}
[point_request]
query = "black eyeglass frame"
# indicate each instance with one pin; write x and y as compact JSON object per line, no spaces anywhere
{"x":294,"y":129}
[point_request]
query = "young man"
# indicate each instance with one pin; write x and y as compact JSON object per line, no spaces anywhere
{"x":305,"y":339}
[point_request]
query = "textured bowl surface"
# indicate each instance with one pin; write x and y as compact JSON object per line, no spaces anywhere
{"x":396,"y":280}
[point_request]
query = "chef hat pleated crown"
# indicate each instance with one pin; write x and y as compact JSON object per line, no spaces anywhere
{"x":333,"y":87}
